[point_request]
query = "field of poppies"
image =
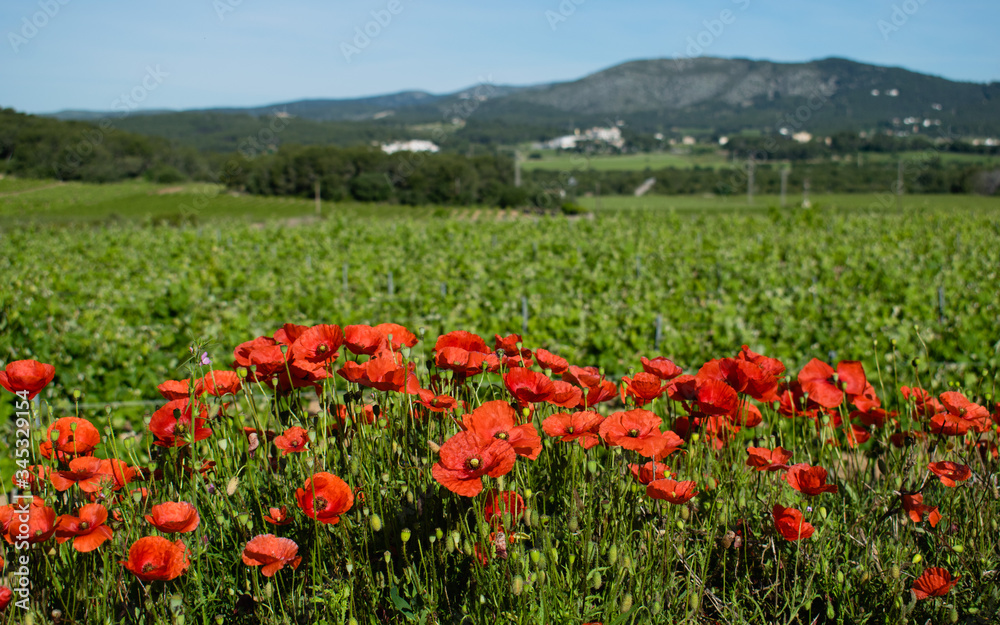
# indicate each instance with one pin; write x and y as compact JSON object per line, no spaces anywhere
{"x":643,"y":416}
{"x":326,"y":474}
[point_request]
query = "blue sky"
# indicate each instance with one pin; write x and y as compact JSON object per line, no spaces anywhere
{"x":85,"y":54}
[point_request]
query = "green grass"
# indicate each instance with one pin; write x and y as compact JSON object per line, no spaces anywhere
{"x":138,"y":201}
{"x":624,"y":162}
{"x":764,"y":203}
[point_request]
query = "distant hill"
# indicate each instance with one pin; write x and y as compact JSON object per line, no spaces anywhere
{"x":707,"y":95}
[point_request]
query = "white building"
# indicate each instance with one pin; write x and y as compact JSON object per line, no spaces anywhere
{"x":413,"y":145}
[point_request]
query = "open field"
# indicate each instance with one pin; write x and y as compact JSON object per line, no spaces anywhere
{"x":357,"y":494}
{"x":624,"y":162}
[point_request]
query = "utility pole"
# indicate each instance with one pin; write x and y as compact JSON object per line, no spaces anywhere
{"x":805,"y":194}
{"x":751,"y":173}
{"x":517,"y":169}
{"x":319,"y":206}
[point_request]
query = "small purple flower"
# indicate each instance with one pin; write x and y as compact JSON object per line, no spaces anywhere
{"x":205,"y":360}
{"x":809,"y":508}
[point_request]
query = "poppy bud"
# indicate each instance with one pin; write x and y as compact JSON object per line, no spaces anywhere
{"x":467,"y":548}
{"x":656,"y":607}
{"x":626,"y":602}
{"x":536,"y":556}
{"x":959,"y":548}
{"x":597,"y":581}
{"x":695,"y":601}
{"x":685,"y":513}
{"x":555,"y":555}
{"x":613,"y":555}
{"x":376,"y":522}
{"x":954,"y":615}
{"x":894,"y":571}
{"x":840,"y":577}
{"x":409,"y":496}
{"x":592,"y":467}
{"x":917,"y":558}
{"x":439,"y":533}
{"x":574,"y":524}
{"x":830,"y":612}
{"x":518,"y":585}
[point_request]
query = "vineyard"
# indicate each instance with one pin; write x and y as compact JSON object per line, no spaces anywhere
{"x":663,"y":411}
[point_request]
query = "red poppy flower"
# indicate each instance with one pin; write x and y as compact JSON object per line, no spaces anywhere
{"x":87,"y":529}
{"x":317,"y":346}
{"x":396,"y":336}
{"x":763,"y":459}
{"x":867,"y":400}
{"x":217,"y":383}
{"x":385,"y":374}
{"x":289,"y":333}
{"x":174,"y":517}
{"x":154,"y":558}
{"x":6,"y":596}
{"x":461,"y":361}
{"x":769,"y":365}
{"x":604,"y":390}
{"x":278,"y":516}
{"x":915,"y":508}
{"x":325,"y":497}
{"x":580,"y":426}
{"x":642,"y":388}
{"x":85,"y":471}
{"x":465,"y":459}
{"x":529,"y":387}
{"x":363,"y":340}
{"x":746,"y":415}
{"x":790,"y":525}
{"x":808,"y":480}
{"x":661,"y":367}
{"x":650,"y":471}
{"x":950,"y":473}
{"x":73,"y":436}
{"x":171,"y":424}
{"x":588,"y":377}
{"x":293,"y":440}
{"x":462,"y":340}
{"x":547,"y":360}
{"x":497,"y":503}
{"x":639,"y":430}
{"x":959,"y":416}
{"x":873,"y":417}
{"x":436,"y":403}
{"x":935,"y":582}
{"x":28,"y":376}
{"x":174,"y":389}
{"x":32,"y":523}
{"x":565,"y":395}
{"x":827,"y":387}
{"x":261,"y":357}
{"x":37,"y":477}
{"x":497,"y":420}
{"x":272,"y":553}
{"x":672,"y":491}
{"x":747,"y":377}
{"x":119,"y":472}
